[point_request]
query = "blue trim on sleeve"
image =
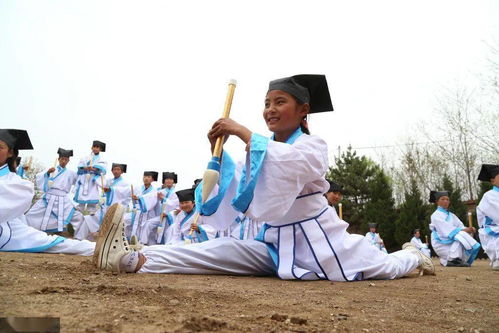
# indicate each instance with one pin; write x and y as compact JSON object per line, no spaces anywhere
{"x":473,"y":253}
{"x":453,"y":233}
{"x":441,"y":241}
{"x":246,"y":189}
{"x":227,"y":174}
{"x":58,"y":240}
{"x":109,"y":196}
{"x":100,"y":169}
{"x":202,"y":235}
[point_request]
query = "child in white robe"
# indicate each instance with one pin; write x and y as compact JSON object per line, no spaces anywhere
{"x":281,"y":183}
{"x":55,"y":210}
{"x":488,"y":214}
{"x":116,"y":190}
{"x":374,"y":238}
{"x":166,"y":193}
{"x":158,"y":225}
{"x":416,"y":241}
{"x":91,"y":170}
{"x":15,"y":199}
{"x":450,"y":239}
{"x":145,"y":207}
{"x":184,"y":230}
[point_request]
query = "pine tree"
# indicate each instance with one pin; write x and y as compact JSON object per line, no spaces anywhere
{"x":380,"y":209}
{"x":484,"y":187}
{"x":456,"y":204}
{"x":368,"y":195}
{"x":412,"y":215}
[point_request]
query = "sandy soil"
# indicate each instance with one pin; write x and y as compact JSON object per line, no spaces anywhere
{"x":88,"y":300}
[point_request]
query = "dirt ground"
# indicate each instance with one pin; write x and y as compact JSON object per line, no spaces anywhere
{"x":88,"y":300}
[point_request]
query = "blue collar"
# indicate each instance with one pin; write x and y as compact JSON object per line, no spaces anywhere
{"x":296,"y":134}
{"x":144,"y":190}
{"x":495,"y":188}
{"x":187,"y":216}
{"x":116,"y":181}
{"x":443,"y":210}
{"x":4,"y":170}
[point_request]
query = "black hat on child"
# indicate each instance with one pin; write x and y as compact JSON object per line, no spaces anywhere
{"x":16,"y":139}
{"x":334,"y":187}
{"x":488,"y":171}
{"x":119,"y":165}
{"x":64,"y":153}
{"x":170,"y":175}
{"x":99,"y":144}
{"x":373,"y":225}
{"x":153,"y":174}
{"x":435,"y":195}
{"x":185,"y":195}
{"x":306,"y":88}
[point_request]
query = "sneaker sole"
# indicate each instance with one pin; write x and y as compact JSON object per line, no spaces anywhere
{"x":110,"y":225}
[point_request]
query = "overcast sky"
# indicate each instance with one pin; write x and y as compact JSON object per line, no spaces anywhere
{"x":150,"y":77}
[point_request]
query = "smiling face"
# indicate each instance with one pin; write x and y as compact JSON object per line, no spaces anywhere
{"x":5,"y":152}
{"x":186,"y":206}
{"x":283,"y":114}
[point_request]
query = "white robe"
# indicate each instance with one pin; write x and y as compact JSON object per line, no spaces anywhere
{"x":488,"y":221}
{"x":421,"y":246}
{"x":143,"y":210}
{"x":179,"y":231}
{"x":155,"y":228}
{"x":55,"y":210}
{"x":88,"y":186}
{"x":303,"y":238}
{"x":170,"y":201}
{"x":15,"y":235}
{"x":375,"y":240}
{"x":119,"y":192}
{"x":447,"y":239}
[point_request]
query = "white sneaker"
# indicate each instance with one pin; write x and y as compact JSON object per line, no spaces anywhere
{"x":426,"y":266}
{"x":112,"y":244}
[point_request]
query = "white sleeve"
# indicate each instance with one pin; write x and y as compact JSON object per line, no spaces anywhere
{"x":15,"y":197}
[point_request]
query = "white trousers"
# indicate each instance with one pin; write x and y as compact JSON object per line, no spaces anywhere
{"x":249,"y":257}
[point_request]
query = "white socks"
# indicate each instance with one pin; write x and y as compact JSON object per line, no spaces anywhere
{"x":129,"y":262}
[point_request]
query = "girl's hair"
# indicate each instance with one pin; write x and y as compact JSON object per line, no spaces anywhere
{"x":11,"y":161}
{"x":304,"y":123}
